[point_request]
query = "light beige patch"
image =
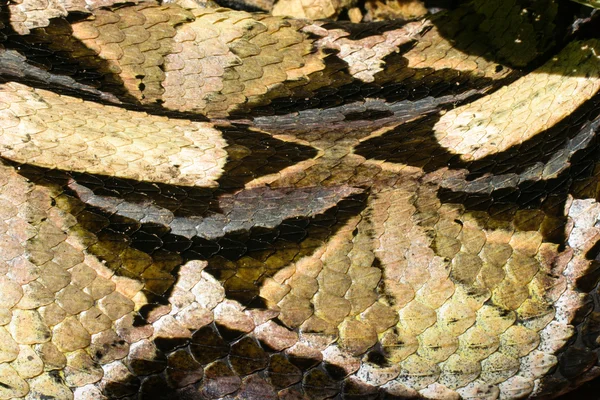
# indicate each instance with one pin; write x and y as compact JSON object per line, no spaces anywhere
{"x":311,"y":9}
{"x":525,"y":108}
{"x":52,"y":131}
{"x":365,"y":56}
{"x":30,"y":14}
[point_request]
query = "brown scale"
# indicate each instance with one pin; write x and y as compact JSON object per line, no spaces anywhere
{"x":407,"y":293}
{"x":233,"y":61}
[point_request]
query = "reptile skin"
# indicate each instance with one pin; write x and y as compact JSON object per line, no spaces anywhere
{"x":202,"y":203}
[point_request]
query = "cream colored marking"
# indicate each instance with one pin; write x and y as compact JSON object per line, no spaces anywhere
{"x":30,"y":14}
{"x":519,"y":111}
{"x":200,"y":60}
{"x":52,"y":131}
{"x":311,"y":9}
{"x":365,"y":56}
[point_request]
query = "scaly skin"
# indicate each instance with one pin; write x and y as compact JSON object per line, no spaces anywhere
{"x":206,"y":203}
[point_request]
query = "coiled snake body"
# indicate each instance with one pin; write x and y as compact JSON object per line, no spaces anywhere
{"x":206,"y":203}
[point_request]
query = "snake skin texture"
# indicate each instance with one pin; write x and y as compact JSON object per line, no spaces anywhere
{"x":205,"y":203}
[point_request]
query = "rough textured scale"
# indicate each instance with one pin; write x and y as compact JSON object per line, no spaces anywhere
{"x":205,"y":203}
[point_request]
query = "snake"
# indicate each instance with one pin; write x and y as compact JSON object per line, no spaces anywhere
{"x":200,"y":202}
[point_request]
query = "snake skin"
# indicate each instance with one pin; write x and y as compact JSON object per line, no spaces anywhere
{"x":203,"y":203}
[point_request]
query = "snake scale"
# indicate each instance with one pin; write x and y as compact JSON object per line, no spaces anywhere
{"x":200,"y":203}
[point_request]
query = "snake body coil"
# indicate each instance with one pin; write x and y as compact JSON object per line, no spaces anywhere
{"x":202,"y":203}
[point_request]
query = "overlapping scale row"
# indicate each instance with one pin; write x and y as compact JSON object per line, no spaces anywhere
{"x":57,"y":303}
{"x":395,"y":290}
{"x":218,"y":62}
{"x":349,"y":251}
{"x":88,"y":137}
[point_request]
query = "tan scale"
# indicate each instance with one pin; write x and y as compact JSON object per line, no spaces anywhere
{"x":514,"y":256}
{"x":503,"y":305}
{"x":41,"y":330}
{"x":528,"y":106}
{"x":120,"y":146}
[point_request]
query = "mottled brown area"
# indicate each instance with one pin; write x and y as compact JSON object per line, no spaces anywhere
{"x":203,"y":203}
